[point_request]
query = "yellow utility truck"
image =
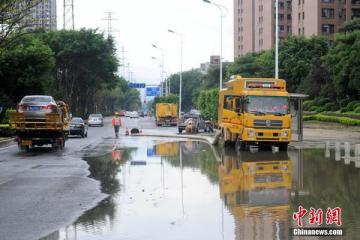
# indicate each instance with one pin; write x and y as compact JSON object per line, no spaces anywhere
{"x":255,"y":111}
{"x":166,"y":114}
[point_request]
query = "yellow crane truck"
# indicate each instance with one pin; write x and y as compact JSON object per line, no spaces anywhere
{"x":255,"y":111}
{"x":51,"y":128}
{"x":166,"y":114}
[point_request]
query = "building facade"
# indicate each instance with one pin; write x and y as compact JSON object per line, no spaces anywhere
{"x":254,"y":21}
{"x":322,"y":17}
{"x":254,"y":24}
{"x":43,"y":15}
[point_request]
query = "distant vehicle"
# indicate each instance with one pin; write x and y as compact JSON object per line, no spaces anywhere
{"x":199,"y":122}
{"x":166,"y":114}
{"x":96,"y":120}
{"x":121,"y":113}
{"x":127,"y":113}
{"x":134,"y":114}
{"x":37,"y":106}
{"x":141,"y":113}
{"x":78,"y":127}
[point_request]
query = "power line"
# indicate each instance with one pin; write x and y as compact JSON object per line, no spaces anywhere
{"x":109,"y":18}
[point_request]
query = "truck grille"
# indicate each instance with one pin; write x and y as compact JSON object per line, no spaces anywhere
{"x":268,"y":123}
{"x":268,"y":178}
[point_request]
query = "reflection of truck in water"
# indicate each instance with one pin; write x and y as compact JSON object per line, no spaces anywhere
{"x":256,"y":191}
{"x":167,"y":149}
{"x":166,"y":114}
{"x":255,"y":111}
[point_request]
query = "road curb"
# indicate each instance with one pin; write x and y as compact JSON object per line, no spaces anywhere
{"x":7,"y":142}
{"x":210,"y":139}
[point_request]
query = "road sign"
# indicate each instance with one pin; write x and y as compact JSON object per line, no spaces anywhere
{"x":150,"y":152}
{"x":153,"y":91}
{"x":137,"y":85}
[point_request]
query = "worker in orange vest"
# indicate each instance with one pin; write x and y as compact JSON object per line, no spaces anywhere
{"x":116,"y":123}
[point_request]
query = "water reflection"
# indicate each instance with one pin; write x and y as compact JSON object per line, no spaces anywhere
{"x":202,"y":195}
{"x":256,"y":191}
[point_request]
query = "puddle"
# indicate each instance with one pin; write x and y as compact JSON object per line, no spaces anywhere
{"x":184,"y":190}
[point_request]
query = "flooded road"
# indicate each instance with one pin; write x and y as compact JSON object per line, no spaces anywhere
{"x":166,"y":189}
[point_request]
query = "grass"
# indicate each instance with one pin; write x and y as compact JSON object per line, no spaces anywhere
{"x":4,"y":125}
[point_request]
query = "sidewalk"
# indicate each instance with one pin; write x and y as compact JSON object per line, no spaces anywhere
{"x":6,"y":142}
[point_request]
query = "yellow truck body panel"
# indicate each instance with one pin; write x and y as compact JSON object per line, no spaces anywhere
{"x":166,"y":114}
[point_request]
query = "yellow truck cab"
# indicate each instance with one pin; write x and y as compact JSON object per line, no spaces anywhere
{"x":255,"y":111}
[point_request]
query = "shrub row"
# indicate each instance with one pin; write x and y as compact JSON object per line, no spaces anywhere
{"x":5,"y":131}
{"x":319,"y":105}
{"x":325,"y":118}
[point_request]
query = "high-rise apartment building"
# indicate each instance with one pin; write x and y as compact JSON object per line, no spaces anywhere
{"x":322,"y":17}
{"x":254,"y":21}
{"x":254,"y":24}
{"x":42,"y":15}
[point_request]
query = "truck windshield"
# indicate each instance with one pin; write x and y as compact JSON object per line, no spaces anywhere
{"x":267,"y":105}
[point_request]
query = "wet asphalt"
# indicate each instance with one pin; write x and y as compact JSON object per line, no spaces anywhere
{"x":44,"y":189}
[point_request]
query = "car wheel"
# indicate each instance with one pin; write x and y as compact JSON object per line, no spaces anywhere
{"x":83,"y":134}
{"x":86,"y":134}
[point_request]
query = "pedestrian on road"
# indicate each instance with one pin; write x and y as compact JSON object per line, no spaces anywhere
{"x":116,"y":122}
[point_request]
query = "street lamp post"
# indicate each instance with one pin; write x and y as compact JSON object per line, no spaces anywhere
{"x":161,"y":76}
{"x":222,"y":15}
{"x":277,"y":39}
{"x":181,"y":36}
{"x":162,"y":68}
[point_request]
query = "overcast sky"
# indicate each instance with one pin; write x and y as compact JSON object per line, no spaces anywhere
{"x":141,"y":23}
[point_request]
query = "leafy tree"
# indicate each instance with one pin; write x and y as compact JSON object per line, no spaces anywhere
{"x":344,"y":64}
{"x":297,"y":56}
{"x":85,"y":64}
{"x":14,"y":18}
{"x":208,"y":103}
{"x":25,"y":69}
{"x":191,"y":82}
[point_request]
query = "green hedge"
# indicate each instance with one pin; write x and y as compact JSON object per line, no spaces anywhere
{"x":5,"y":131}
{"x":324,"y":118}
{"x":208,"y":103}
{"x":7,"y":114}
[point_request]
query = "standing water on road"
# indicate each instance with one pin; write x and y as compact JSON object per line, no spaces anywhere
{"x":164,"y":189}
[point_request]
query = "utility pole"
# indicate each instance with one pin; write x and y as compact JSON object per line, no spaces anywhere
{"x":68,"y":15}
{"x":122,"y":61}
{"x":109,"y":18}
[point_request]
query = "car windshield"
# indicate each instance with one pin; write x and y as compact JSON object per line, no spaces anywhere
{"x":267,"y":105}
{"x":95,"y":115}
{"x":42,"y":99}
{"x":77,"y":120}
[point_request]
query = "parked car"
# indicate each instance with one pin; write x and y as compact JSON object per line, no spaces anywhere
{"x":78,"y":127}
{"x":37,"y":106}
{"x":127,"y":113}
{"x":96,"y":120}
{"x":197,"y":122}
{"x":134,"y":114}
